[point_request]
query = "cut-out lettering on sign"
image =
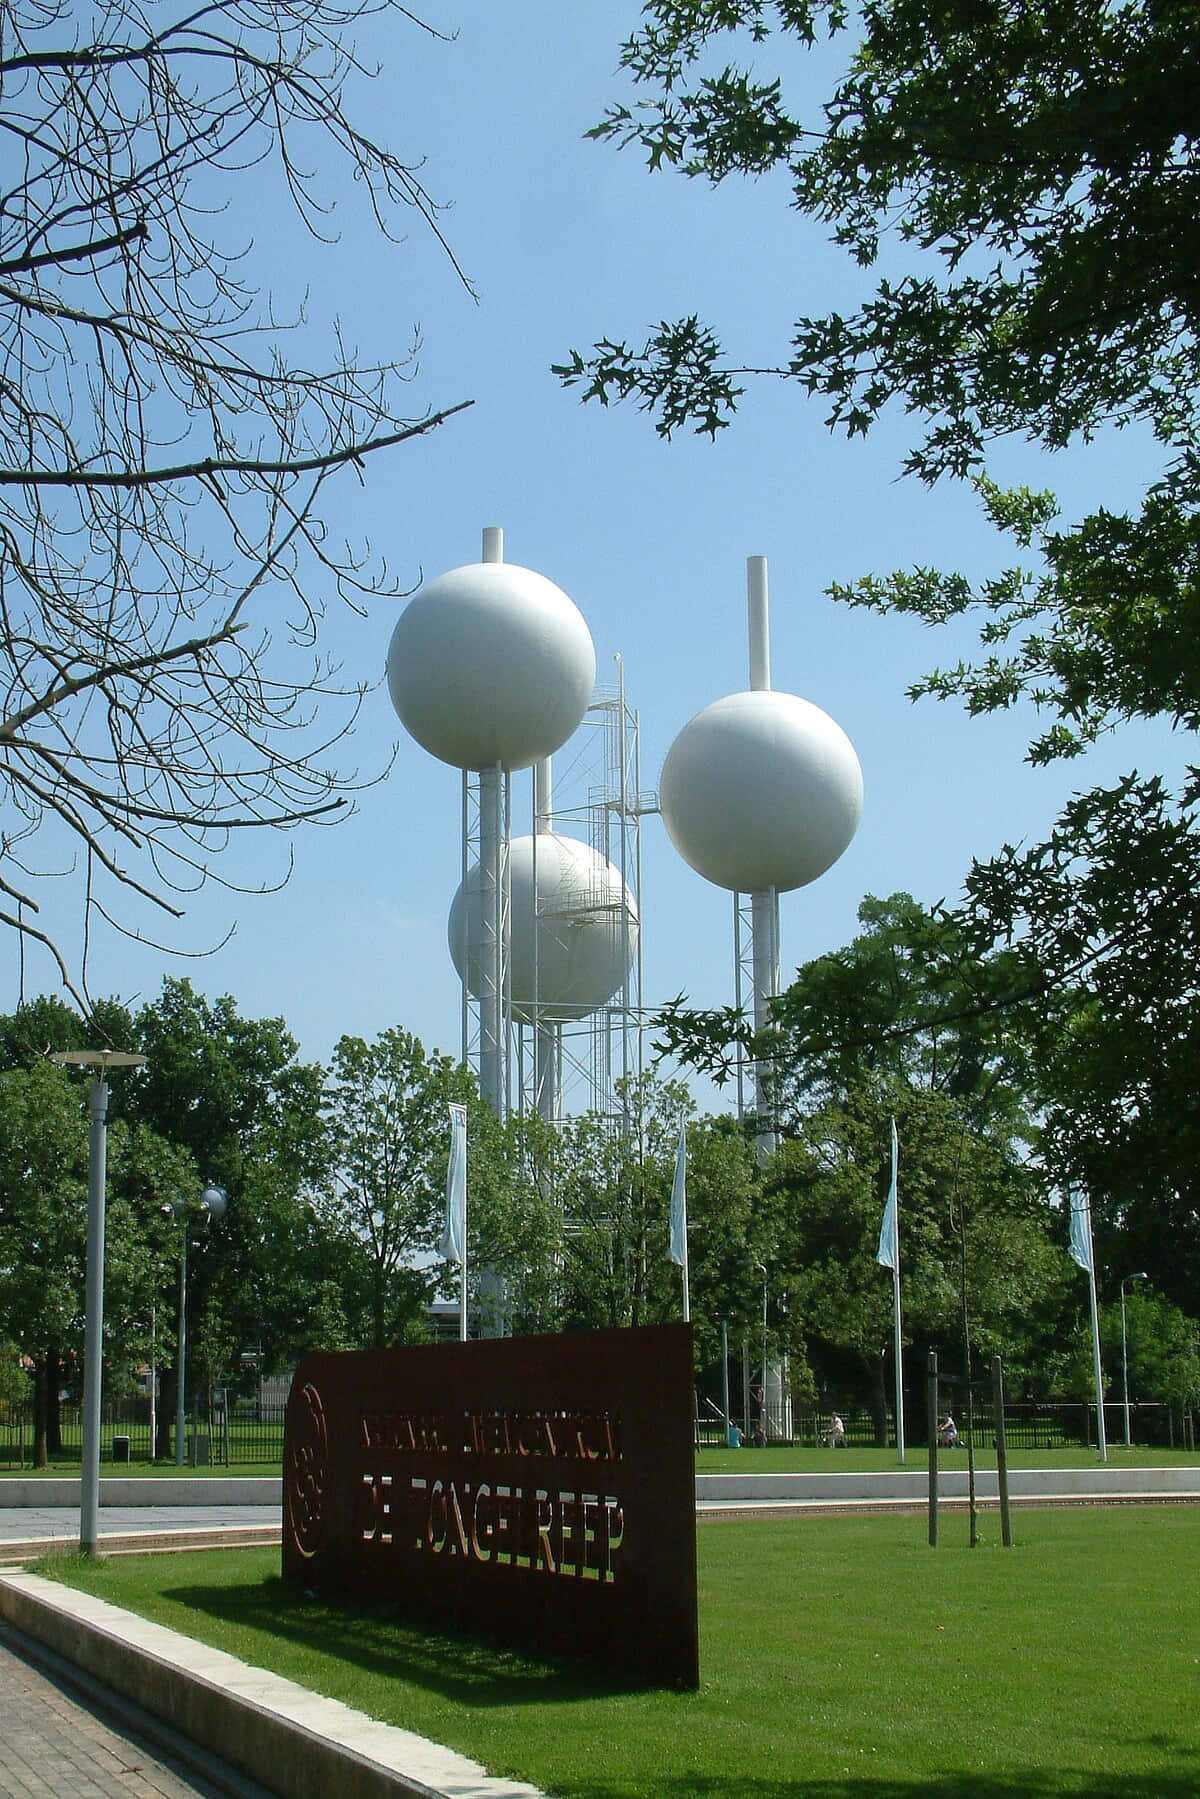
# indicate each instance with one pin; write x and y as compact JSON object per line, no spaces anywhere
{"x":538,"y":1489}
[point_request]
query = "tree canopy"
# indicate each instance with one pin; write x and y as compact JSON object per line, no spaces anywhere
{"x":233,"y":1093}
{"x":1020,"y":186}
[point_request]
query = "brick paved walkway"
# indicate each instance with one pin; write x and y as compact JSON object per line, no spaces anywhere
{"x":53,"y":1745}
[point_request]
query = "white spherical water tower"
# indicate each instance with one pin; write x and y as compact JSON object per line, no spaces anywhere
{"x":573,"y":932}
{"x":491,"y":668}
{"x":572,"y":935}
{"x":491,"y":665}
{"x":761,"y":792}
{"x":761,"y":789}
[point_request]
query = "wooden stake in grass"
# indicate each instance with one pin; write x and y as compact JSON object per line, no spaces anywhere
{"x":931,"y":1409}
{"x":1001,"y":1451}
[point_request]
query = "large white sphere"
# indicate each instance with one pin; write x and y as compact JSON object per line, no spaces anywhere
{"x":759,"y":790}
{"x":491,"y":663}
{"x":587,"y":928}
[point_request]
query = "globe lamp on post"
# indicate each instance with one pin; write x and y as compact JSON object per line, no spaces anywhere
{"x":212,"y":1201}
{"x":1125,"y":1353}
{"x":99,"y":1061}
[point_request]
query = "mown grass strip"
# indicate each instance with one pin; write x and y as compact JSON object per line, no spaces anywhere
{"x":840,"y":1657}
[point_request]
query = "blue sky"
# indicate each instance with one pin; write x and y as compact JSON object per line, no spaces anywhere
{"x":566,"y":241}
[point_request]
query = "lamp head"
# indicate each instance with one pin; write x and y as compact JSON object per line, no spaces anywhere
{"x":213,"y":1200}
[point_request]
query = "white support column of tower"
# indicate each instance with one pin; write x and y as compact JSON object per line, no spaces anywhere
{"x":493,"y":1069}
{"x":764,"y":901}
{"x":547,"y":1031}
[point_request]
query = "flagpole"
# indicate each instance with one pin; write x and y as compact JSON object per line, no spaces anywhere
{"x":1091,"y":1273}
{"x":462,"y":1287}
{"x":453,"y":1245}
{"x":1082,"y":1250}
{"x":888,"y":1256}
{"x":687,"y":1298}
{"x":677,"y":1247}
{"x":899,"y":1354}
{"x":899,"y":1357}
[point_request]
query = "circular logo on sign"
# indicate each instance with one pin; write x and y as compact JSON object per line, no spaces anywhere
{"x":307,"y":1470}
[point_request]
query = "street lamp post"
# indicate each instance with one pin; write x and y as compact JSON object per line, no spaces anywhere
{"x":99,"y":1061}
{"x":762,"y":1266}
{"x":1125,"y":1353}
{"x":213,"y":1201}
{"x":153,"y":1382}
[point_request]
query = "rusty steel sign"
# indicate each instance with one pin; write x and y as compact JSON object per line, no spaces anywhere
{"x":540,"y":1489}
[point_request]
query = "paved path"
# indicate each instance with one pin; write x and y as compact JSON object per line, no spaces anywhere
{"x":55,"y":1742}
{"x":30,"y":1530}
{"x":293,"y":1740}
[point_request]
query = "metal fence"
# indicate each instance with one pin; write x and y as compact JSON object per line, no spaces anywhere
{"x":1049,"y":1424}
{"x":246,"y":1433}
{"x":251,"y":1432}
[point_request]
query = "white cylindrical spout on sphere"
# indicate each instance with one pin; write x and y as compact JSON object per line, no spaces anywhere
{"x":491,"y":664}
{"x":586,"y":929}
{"x":761,"y":789}
{"x":758,"y":622}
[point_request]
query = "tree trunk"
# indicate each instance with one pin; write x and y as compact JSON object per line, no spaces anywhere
{"x":40,"y":1458}
{"x":164,"y":1415}
{"x":53,"y":1408}
{"x":378,"y":1309}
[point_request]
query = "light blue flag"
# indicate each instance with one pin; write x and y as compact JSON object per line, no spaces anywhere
{"x":888,"y":1253}
{"x":678,"y":1250}
{"x":1079,"y":1233}
{"x":454,"y":1238}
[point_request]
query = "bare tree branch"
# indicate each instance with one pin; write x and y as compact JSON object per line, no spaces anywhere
{"x":164,"y":464}
{"x":203,"y":471}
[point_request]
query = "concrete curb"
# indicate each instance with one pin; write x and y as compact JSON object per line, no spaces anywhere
{"x":121,"y":1489}
{"x":1023,"y":1483}
{"x":852,"y":1488}
{"x":294,"y":1742}
{"x":147,"y":1542}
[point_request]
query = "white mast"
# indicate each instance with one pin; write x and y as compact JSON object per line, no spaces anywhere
{"x":493,"y":1082}
{"x":764,"y":903}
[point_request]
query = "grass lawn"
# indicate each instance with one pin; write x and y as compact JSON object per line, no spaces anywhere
{"x":784,"y":1460}
{"x":775,"y":1460}
{"x":841,"y":1658}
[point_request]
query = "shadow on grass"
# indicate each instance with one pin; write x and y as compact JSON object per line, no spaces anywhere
{"x":404,"y":1644}
{"x":1031,"y":1783}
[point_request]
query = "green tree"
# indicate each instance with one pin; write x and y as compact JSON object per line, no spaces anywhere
{"x":514,"y":1224}
{"x":612,"y":1182}
{"x":16,"y":1388}
{"x":729,"y":1233}
{"x":910,"y":1020}
{"x":233,"y":1093}
{"x":1023,"y":182}
{"x":43,"y":1232}
{"x":1163,"y":1346}
{"x":389,"y":1132}
{"x":971,"y":1219}
{"x":43,"y":1226}
{"x":167,"y":440}
{"x":43,"y":1024}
